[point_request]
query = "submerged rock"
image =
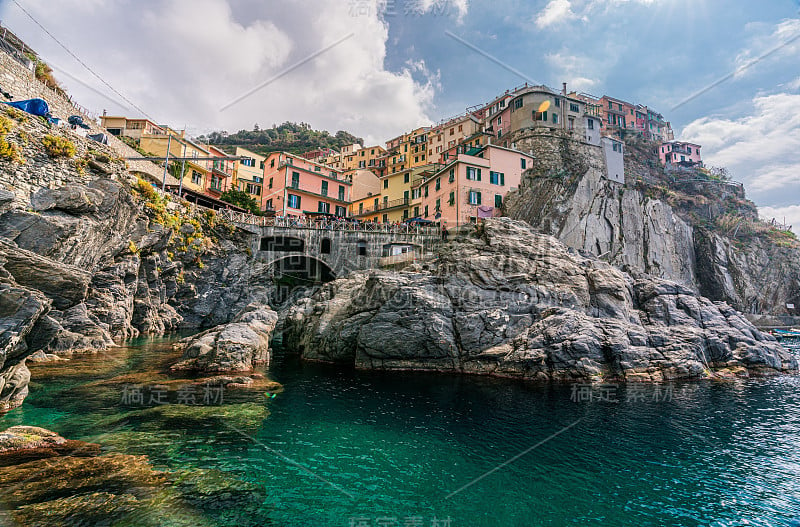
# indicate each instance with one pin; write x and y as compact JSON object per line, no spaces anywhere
{"x":508,"y":301}
{"x":237,"y":346}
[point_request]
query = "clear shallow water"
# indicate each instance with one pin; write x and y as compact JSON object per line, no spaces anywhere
{"x":340,"y":447}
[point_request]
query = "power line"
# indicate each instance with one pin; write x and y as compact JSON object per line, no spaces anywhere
{"x":81,"y":62}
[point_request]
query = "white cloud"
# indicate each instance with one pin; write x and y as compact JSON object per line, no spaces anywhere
{"x":183,"y":60}
{"x":778,"y":41}
{"x":555,"y":12}
{"x":762,"y":148}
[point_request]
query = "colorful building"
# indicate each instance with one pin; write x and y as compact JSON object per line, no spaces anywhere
{"x":450,"y":133}
{"x":249,"y":173}
{"x":295,"y":186}
{"x":561,"y":111}
{"x":472,"y":185}
{"x":133,"y":128}
{"x":679,"y":153}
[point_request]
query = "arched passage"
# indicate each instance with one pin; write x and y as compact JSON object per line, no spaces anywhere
{"x":301,"y":270}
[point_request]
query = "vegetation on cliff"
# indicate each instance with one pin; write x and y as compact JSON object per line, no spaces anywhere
{"x":287,"y":137}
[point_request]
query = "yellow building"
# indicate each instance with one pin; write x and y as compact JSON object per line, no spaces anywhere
{"x":395,"y":202}
{"x":197,"y":175}
{"x":249,"y":173}
{"x":133,"y":128}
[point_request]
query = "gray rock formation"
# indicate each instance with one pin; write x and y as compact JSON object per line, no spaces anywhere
{"x":508,"y":301}
{"x":656,"y":222}
{"x":236,"y":346}
{"x":24,"y":329}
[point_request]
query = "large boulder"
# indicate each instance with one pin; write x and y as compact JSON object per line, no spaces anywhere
{"x":509,"y":301}
{"x":237,"y":346}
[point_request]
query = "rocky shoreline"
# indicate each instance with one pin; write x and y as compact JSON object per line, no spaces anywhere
{"x":508,"y":301}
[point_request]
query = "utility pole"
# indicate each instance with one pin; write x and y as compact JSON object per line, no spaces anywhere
{"x":183,"y":167}
{"x":166,"y":163}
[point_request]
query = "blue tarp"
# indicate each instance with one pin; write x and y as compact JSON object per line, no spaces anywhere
{"x":32,"y":106}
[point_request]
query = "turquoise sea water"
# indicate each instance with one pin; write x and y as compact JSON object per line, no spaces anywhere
{"x":342,"y":448}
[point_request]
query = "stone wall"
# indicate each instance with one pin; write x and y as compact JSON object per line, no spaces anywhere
{"x":22,"y":84}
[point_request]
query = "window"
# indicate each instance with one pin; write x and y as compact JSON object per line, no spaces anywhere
{"x":294,"y":201}
{"x":473,"y":174}
{"x":361,"y":248}
{"x":452,"y":131}
{"x":610,"y":106}
{"x":406,"y":178}
{"x":426,"y":191}
{"x":416,"y":193}
{"x":416,"y":212}
{"x":460,"y":127}
{"x":438,"y":205}
{"x":360,"y":208}
{"x":452,"y":175}
{"x":452,"y":200}
{"x":474,"y":197}
{"x":385,"y":218}
{"x":405,"y":214}
{"x":375,"y":204}
{"x":324,"y":207}
{"x":197,"y":178}
{"x":269,"y":204}
{"x":405,"y":196}
{"x":555,"y":118}
{"x":498,"y":201}
{"x":317,"y":169}
{"x":523,"y":162}
{"x":438,"y":183}
{"x":253,"y":189}
{"x":385,"y":183}
{"x":574,"y":107}
{"x":497,"y":178}
{"x":325,"y":246}
{"x":518,"y":103}
{"x":689,"y":149}
{"x":324,"y":190}
{"x":500,"y":120}
{"x":590,"y":124}
{"x":295,"y":179}
{"x":416,"y":159}
{"x":289,"y":160}
{"x":571,"y":124}
{"x":341,"y":192}
{"x":216,"y":182}
{"x":683,"y":158}
{"x":385,"y":200}
{"x":620,"y":107}
{"x":341,"y":211}
{"x":272,"y":163}
{"x":426,"y":211}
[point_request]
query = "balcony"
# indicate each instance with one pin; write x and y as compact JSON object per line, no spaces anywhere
{"x":385,"y":205}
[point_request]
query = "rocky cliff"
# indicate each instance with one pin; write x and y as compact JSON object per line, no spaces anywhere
{"x":509,"y":301}
{"x":687,"y":227}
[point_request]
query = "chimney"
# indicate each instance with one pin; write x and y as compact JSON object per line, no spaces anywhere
{"x":565,"y":89}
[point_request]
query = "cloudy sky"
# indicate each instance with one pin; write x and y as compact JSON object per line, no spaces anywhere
{"x":724,"y":72}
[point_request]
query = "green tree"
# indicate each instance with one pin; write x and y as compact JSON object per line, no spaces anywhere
{"x":242,"y":200}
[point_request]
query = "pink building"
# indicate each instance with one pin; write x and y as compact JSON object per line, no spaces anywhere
{"x":221,"y":174}
{"x":294,"y":186}
{"x":471,"y":186}
{"x":679,"y":153}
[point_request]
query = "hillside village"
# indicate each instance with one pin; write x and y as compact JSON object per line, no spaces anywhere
{"x":453,"y":173}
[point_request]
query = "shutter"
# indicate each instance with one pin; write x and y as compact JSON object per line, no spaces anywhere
{"x":479,"y":197}
{"x":502,"y":179}
{"x":479,"y":174}
{"x":298,"y":202}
